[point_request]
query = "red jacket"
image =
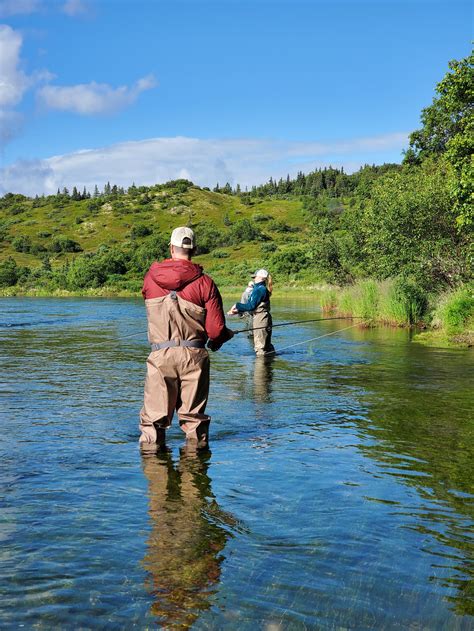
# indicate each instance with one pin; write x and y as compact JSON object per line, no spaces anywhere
{"x":190,"y":282}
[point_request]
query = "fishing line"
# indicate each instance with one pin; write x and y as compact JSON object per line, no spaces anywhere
{"x":312,"y":339}
{"x":273,"y":326}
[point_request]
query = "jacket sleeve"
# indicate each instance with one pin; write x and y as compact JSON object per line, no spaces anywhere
{"x":215,"y":319}
{"x":256,"y":297}
{"x":145,"y":285}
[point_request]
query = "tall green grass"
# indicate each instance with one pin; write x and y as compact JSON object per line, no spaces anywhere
{"x":455,"y":312}
{"x":398,"y":302}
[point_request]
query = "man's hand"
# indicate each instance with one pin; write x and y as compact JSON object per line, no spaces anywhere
{"x":227,"y":335}
{"x":213,"y":346}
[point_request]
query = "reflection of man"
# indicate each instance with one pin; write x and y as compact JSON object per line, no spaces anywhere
{"x":184,"y":548}
{"x":184,"y":310}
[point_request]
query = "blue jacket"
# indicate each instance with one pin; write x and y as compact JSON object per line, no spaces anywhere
{"x":259,"y":294}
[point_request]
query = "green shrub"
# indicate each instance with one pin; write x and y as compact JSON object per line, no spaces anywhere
{"x":279,"y":226}
{"x":139,"y":231}
{"x":268,"y":248}
{"x":244,"y":230}
{"x":455,"y":311}
{"x":220,"y":254}
{"x":289,"y":260}
{"x":154,"y":248}
{"x":180,"y":186}
{"x":8,"y":272}
{"x":85,"y":271}
{"x":112,"y":261}
{"x":64,"y":244}
{"x":261,"y":217}
{"x":37,"y":248}
{"x":22,"y":244}
{"x":209,"y":237}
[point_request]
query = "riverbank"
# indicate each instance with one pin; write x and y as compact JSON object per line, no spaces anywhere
{"x":448,"y":318}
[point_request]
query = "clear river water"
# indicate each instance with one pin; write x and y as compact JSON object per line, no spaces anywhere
{"x":337,"y":492}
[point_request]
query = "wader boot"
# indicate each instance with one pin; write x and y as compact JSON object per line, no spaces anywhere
{"x":177,"y":368}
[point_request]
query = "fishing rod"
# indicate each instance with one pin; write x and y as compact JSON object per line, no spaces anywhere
{"x":273,"y":326}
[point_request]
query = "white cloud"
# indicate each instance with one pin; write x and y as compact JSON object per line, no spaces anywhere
{"x":13,"y":82}
{"x":16,"y":7}
{"x":204,"y":161}
{"x":93,"y":98}
{"x":74,"y":8}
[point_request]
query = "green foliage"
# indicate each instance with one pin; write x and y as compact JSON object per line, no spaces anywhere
{"x":9,"y":272}
{"x":259,"y":217}
{"x":85,"y":271}
{"x":113,"y":261}
{"x":403,"y":301}
{"x":17,"y":210}
{"x":279,"y":226}
{"x":245,"y":230}
{"x":180,"y":186}
{"x":448,"y":129}
{"x":289,"y":260}
{"x":3,"y":232}
{"x":455,"y":311}
{"x":139,"y":231}
{"x":208,"y":237}
{"x":449,"y":113}
{"x":154,"y":248}
{"x":22,"y":244}
{"x":268,"y":248}
{"x":408,"y":224}
{"x":366,"y":300}
{"x":64,"y":244}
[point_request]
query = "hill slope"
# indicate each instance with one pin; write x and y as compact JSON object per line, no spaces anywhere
{"x":127,"y":230}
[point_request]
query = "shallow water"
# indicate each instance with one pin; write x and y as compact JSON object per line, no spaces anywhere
{"x":337,"y":493}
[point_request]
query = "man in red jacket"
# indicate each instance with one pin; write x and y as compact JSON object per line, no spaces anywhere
{"x":184,"y":310}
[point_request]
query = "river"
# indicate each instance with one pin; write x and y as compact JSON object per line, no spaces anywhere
{"x":336,"y":494}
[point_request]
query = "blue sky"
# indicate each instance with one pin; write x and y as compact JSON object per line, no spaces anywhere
{"x":144,"y":91}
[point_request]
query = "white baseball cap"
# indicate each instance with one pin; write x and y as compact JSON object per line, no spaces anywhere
{"x":261,"y":272}
{"x":179,"y":235}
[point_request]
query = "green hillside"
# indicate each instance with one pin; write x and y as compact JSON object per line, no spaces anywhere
{"x":131,"y":229}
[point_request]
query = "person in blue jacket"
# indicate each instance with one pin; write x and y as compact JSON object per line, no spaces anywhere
{"x":258,"y":305}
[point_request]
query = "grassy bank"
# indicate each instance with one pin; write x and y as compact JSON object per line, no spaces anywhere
{"x":449,"y":318}
{"x":452,"y":322}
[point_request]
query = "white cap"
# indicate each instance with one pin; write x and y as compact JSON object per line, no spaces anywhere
{"x":179,"y":235}
{"x":261,"y":272}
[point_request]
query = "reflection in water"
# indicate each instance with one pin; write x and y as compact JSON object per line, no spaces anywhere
{"x":262,"y":379}
{"x":184,"y":548}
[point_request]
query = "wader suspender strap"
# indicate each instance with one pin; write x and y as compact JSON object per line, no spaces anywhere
{"x":172,"y":343}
